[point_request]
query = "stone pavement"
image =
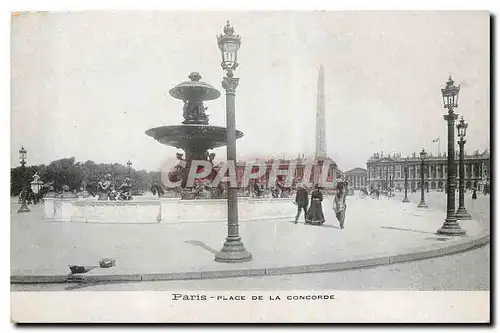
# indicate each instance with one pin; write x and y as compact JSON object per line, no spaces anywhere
{"x":377,"y":232}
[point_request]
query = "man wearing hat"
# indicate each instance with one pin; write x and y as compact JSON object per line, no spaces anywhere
{"x":301,"y":199}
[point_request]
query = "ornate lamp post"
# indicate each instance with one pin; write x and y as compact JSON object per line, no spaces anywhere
{"x":462,"y":213}
{"x":386,"y":178}
{"x":450,"y":101}
{"x":428,"y":177}
{"x":422,"y":203}
{"x":24,"y":207}
{"x":129,"y":165}
{"x":233,"y":249}
{"x":405,"y":170}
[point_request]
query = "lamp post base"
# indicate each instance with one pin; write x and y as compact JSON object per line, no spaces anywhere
{"x":451,"y":228}
{"x":233,"y":251}
{"x":24,"y":209}
{"x":462,"y":214}
{"x":405,"y":199}
{"x":422,"y":204}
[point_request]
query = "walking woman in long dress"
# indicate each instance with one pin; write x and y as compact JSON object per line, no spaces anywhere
{"x":315,"y":211}
{"x":339,"y":205}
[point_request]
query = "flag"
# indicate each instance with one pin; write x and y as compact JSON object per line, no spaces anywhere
{"x":435,"y":140}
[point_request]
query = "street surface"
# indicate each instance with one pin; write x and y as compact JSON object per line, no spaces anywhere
{"x":373,"y":228}
{"x":464,"y":271}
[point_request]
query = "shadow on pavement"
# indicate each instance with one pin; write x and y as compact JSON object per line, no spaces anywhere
{"x":202,"y":245}
{"x":412,"y":230}
{"x":83,"y":285}
{"x":328,"y":226}
{"x":322,"y":226}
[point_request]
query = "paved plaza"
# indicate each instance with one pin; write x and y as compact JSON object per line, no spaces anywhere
{"x":384,"y":228}
{"x":465,"y":271}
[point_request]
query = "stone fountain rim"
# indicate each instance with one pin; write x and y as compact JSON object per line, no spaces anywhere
{"x":239,"y":133}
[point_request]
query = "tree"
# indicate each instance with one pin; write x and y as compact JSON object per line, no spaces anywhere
{"x":66,"y":171}
{"x":21,"y":177}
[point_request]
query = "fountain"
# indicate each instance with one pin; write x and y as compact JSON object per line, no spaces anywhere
{"x":195,"y":136}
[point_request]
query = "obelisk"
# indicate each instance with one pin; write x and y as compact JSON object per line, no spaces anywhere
{"x":320,"y":117}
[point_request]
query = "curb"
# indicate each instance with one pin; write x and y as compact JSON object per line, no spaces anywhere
{"x":418,"y":254}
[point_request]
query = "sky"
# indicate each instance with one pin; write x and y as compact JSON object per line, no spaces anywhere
{"x":89,"y":84}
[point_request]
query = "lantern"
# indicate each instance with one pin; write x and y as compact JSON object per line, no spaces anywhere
{"x":423,"y":154}
{"x":229,"y":44}
{"x":22,"y":155}
{"x":462,"y":128}
{"x":450,"y":94}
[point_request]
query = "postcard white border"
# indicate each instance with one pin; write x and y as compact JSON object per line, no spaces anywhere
{"x":31,"y":302}
{"x":253,"y":306}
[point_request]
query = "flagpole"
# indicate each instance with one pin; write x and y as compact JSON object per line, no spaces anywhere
{"x":438,"y":141}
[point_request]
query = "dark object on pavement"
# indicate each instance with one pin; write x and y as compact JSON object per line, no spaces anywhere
{"x":107,"y":263}
{"x":80,"y":269}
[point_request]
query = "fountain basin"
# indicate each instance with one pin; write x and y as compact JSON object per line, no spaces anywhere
{"x":165,"y":210}
{"x":189,"y":136}
{"x":95,"y":211}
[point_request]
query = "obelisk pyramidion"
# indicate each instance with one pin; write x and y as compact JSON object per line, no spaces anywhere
{"x":320,"y":118}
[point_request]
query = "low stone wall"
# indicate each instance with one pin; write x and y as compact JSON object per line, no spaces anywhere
{"x":94,"y":211}
{"x":164,"y":210}
{"x":213,"y":210}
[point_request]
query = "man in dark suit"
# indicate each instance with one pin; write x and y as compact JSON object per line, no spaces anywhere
{"x":302,"y":200}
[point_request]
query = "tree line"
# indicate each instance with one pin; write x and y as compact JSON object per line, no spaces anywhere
{"x":77,"y":175}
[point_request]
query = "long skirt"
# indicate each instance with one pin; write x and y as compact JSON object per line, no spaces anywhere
{"x":315,"y":213}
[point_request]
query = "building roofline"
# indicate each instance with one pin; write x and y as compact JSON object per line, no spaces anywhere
{"x":355,"y":169}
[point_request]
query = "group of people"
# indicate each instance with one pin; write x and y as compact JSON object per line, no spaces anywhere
{"x":279,"y":190}
{"x":313,"y":212}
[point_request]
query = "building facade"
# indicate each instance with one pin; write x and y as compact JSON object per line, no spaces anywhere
{"x":388,"y":171}
{"x":357,"y":178}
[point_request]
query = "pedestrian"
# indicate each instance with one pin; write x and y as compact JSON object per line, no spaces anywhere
{"x":301,"y":200}
{"x":315,"y":212}
{"x":339,"y":205}
{"x":474,"y":194}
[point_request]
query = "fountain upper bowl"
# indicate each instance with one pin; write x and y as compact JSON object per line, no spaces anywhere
{"x":191,"y":135}
{"x":194,"y":90}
